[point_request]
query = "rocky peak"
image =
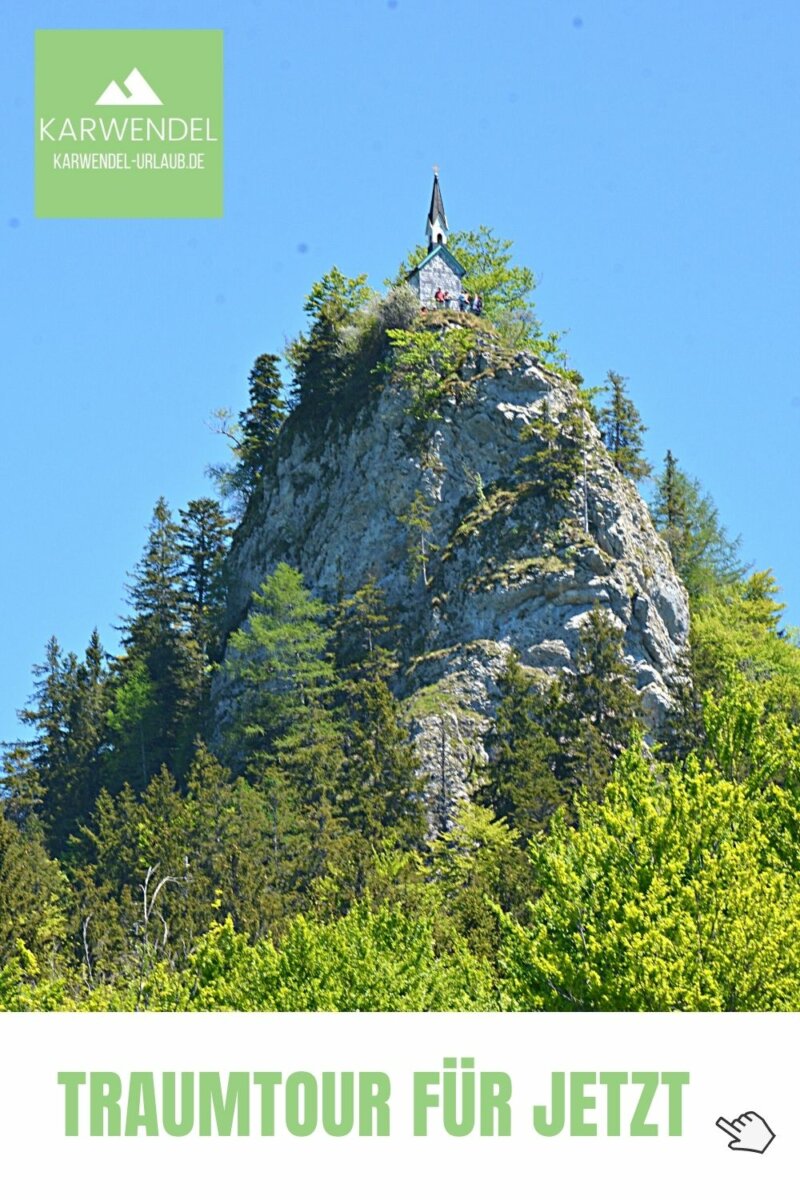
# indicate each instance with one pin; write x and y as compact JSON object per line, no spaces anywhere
{"x":505,"y":569}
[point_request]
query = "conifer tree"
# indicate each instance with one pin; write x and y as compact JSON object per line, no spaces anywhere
{"x":48,"y":714}
{"x":476,"y":865}
{"x":90,"y":724}
{"x":364,"y":636}
{"x":557,"y":459}
{"x":420,"y":547}
{"x":280,"y":663}
{"x":157,"y":637}
{"x":523,"y":783}
{"x":600,"y":702}
{"x":703,"y":554}
{"x":33,"y":895}
{"x":157,"y":593}
{"x":319,"y":358}
{"x":68,"y":716}
{"x":21,"y":788}
{"x":380,"y":786}
{"x":284,"y":726}
{"x":261,"y":421}
{"x":203,"y":540}
{"x":622,"y":428}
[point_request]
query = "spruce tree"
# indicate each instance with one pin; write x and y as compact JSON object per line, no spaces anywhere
{"x":90,"y":722}
{"x":688,"y":520}
{"x":419,"y":545}
{"x":21,"y":787}
{"x":380,"y":785}
{"x":162,"y":656}
{"x":261,"y":421}
{"x":68,"y":716}
{"x":203,"y":540}
{"x":364,"y":637}
{"x":601,"y":704}
{"x":622,"y":429}
{"x":557,"y":459}
{"x":523,"y":783}
{"x":33,"y":896}
{"x":319,"y":358}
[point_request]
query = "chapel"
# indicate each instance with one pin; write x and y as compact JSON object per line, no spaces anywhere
{"x":439,"y":268}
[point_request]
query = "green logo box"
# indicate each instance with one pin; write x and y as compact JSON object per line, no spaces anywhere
{"x":128,"y":123}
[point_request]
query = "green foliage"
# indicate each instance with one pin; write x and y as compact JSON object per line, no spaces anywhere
{"x":203,"y":540}
{"x":130,"y":720}
{"x":622,"y":429}
{"x":524,"y":783}
{"x":703,"y":554}
{"x":253,"y":436}
{"x":139,"y":871}
{"x":735,"y":630}
{"x":428,"y":363}
{"x":33,"y":896}
{"x":377,"y":959}
{"x":475,"y":865}
{"x":21,"y":787}
{"x":419,"y":546}
{"x":323,"y":359}
{"x":364,"y":635}
{"x":556,"y":462}
{"x":278,"y":665}
{"x":601,"y":703}
{"x":380,"y":787}
{"x":549,"y":746}
{"x":162,"y":672}
{"x":62,"y":763}
{"x":666,"y":896}
{"x":381,"y":783}
{"x":505,"y":287}
{"x":161,"y":867}
{"x":261,"y":421}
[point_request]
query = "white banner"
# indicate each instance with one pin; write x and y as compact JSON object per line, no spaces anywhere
{"x":361,"y":1105}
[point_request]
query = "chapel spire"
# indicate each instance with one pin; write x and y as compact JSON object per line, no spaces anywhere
{"x":436,"y":228}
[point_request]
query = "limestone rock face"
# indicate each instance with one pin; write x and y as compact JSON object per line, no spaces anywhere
{"x":508,"y":570}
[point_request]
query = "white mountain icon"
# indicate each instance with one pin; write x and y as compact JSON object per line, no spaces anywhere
{"x":140,"y":91}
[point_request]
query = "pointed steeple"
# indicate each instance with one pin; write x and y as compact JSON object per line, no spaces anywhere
{"x":436,"y":228}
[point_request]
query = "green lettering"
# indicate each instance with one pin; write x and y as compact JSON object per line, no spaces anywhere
{"x":374,"y":1089}
{"x":495,"y":1103}
{"x":556,"y":1124}
{"x":459,"y":1125}
{"x":267,"y":1081}
{"x":343,"y":1124}
{"x":579,"y":1102}
{"x":141,"y":1112}
{"x":172,"y":1124}
{"x":675,"y":1081}
{"x":613,"y":1081}
{"x":424,"y":1099}
{"x":649,"y":1082}
{"x":234,"y":1103}
{"x":105,"y":1090}
{"x":297,"y":1083}
{"x":71,"y":1081}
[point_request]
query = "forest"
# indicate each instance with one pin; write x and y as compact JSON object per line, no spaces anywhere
{"x":214,"y":817}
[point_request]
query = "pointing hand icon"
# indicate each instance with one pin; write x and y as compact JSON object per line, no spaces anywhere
{"x":747,"y":1132}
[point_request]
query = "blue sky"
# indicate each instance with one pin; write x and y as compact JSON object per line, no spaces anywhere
{"x":643,"y":157}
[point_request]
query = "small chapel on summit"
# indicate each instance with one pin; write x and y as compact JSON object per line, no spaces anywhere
{"x":439,"y":268}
